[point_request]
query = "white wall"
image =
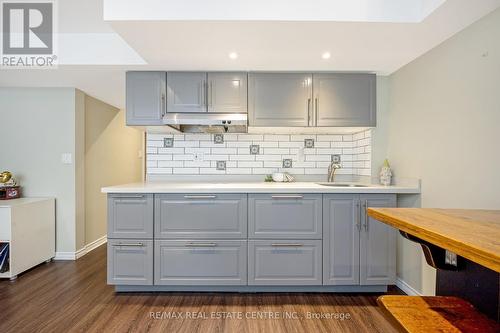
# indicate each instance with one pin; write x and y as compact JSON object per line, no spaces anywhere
{"x":442,"y":126}
{"x":111,"y":158}
{"x":38,"y":125}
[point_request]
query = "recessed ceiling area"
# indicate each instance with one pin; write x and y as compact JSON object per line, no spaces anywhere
{"x":95,"y":53}
{"x":276,"y":10}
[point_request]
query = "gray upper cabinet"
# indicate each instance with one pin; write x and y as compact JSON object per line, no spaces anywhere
{"x":279,"y":99}
{"x":201,"y":216}
{"x":344,"y":99}
{"x":227,"y":92}
{"x":378,"y":243}
{"x":284,"y":216}
{"x":341,"y":225}
{"x":130,"y":216}
{"x":186,"y":92}
{"x":146,"y":98}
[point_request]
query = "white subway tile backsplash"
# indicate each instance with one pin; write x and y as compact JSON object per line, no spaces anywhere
{"x":170,"y":150}
{"x":186,"y":171}
{"x":276,"y":138}
{"x":329,"y":138}
{"x":170,"y":164}
{"x":355,"y":151}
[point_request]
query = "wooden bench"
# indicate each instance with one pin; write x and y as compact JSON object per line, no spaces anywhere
{"x":427,"y":314}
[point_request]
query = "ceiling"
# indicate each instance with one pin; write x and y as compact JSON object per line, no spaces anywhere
{"x":99,"y":41}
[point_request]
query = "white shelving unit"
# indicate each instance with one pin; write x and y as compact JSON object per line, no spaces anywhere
{"x":28,"y":225}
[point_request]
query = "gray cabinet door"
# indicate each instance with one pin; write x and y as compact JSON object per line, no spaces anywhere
{"x":146,"y":98}
{"x":341,"y":225}
{"x":279,"y":99}
{"x":287,"y":216}
{"x":130,"y":262}
{"x":284,"y":262}
{"x":344,"y":99}
{"x":378,"y":243}
{"x":200,"y":262}
{"x":186,"y":92}
{"x":227,"y":92}
{"x":130,"y":216}
{"x":201,"y":216}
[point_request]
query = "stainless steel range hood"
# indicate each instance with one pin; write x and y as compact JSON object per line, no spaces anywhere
{"x":207,"y":122}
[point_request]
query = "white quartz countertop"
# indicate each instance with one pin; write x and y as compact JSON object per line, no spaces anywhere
{"x":254,"y":187}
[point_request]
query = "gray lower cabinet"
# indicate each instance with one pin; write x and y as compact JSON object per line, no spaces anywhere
{"x":186,"y":92}
{"x":146,"y":98}
{"x":130,"y":216}
{"x":344,"y":99}
{"x":357,"y":249}
{"x":207,"y":216}
{"x":341,"y":226}
{"x":378,"y":243}
{"x":130,"y":261}
{"x":285,"y":216}
{"x":227,"y":92}
{"x":200,"y":262}
{"x":279,"y":99}
{"x":284,"y":262}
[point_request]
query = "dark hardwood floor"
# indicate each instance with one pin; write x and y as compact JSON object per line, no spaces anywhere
{"x":73,"y":297}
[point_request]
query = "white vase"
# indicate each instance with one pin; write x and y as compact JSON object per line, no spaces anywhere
{"x":385,"y":176}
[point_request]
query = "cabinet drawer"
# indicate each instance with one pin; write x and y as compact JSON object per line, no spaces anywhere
{"x":288,"y":216}
{"x":200,"y":262}
{"x":130,"y":262}
{"x":201,"y":216}
{"x":130,"y":216}
{"x":290,"y":262}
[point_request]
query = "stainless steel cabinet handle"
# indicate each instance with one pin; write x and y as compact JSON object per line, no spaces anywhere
{"x":358,"y":216}
{"x":308,"y":112}
{"x":138,"y":196}
{"x":287,"y":196}
{"x":200,"y":244}
{"x":287,"y":244}
{"x":365,"y":207}
{"x":163,"y":105}
{"x":316,"y":106}
{"x":210,"y":92}
{"x":205,"y":93}
{"x":200,"y":196}
{"x":129,"y":244}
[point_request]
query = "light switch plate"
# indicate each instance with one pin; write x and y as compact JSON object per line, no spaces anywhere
{"x":67,"y":158}
{"x":450,"y":258}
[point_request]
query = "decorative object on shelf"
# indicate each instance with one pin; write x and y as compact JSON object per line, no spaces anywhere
{"x":282,"y":177}
{"x":385,"y":174}
{"x":9,"y":188}
{"x":268,"y":179}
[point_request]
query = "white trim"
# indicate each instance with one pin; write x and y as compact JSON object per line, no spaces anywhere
{"x":81,"y":252}
{"x":409,"y":290}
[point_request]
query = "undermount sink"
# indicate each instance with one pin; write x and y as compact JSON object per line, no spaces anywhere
{"x":342,"y":185}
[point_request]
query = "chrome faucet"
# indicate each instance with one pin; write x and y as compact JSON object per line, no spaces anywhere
{"x":331,"y":171}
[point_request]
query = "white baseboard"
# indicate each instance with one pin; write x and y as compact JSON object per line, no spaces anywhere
{"x":409,"y":290}
{"x":81,"y":252}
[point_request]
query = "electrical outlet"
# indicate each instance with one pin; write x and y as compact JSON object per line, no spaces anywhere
{"x":450,"y":258}
{"x":198,"y":156}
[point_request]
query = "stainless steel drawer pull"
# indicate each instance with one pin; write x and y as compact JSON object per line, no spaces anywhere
{"x":129,"y":244}
{"x":287,"y":196}
{"x":287,"y":244}
{"x":201,"y":244}
{"x":200,"y":196}
{"x":130,"y":196}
